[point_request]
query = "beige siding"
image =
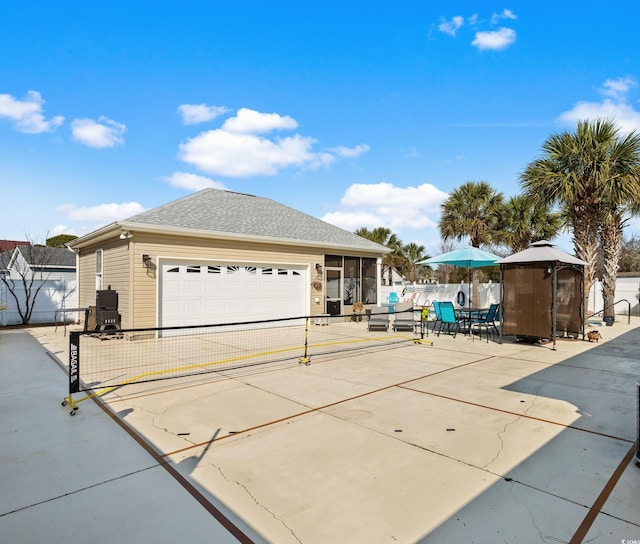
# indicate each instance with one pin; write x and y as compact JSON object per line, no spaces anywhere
{"x":125,"y":271}
{"x":168,"y":247}
{"x":115,"y":273}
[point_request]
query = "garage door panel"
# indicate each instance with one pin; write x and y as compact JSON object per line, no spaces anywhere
{"x":197,"y":294}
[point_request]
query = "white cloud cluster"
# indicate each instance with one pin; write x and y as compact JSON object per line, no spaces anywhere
{"x":615,"y":106}
{"x":492,"y":39}
{"x":398,"y":208}
{"x":200,"y":113}
{"x":451,"y":27}
{"x":102,"y":213}
{"x":99,"y":134}
{"x":27,"y":114}
{"x":192,"y":182}
{"x":241,"y":147}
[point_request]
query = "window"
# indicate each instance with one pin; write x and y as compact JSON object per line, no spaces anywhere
{"x":359,"y":277}
{"x":98,"y":270}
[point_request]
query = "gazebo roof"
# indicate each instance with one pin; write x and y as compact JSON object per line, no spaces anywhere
{"x":542,"y":252}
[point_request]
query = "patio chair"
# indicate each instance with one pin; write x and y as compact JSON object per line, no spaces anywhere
{"x":378,"y":320}
{"x":403,"y":317}
{"x":438,"y":316}
{"x":448,"y":319}
{"x":486,"y":321}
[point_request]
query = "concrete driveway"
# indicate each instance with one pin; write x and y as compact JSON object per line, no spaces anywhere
{"x":462,"y":441}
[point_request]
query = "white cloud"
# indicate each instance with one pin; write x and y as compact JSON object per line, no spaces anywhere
{"x":495,"y":40}
{"x":506,"y":14}
{"x":26,"y":114}
{"x":451,"y":27}
{"x":192,"y":182}
{"x":615,"y":107}
{"x":249,"y":121}
{"x":350,"y":152}
{"x":618,"y":88}
{"x":384,"y":204}
{"x":99,"y":134}
{"x":102,"y":213}
{"x":200,"y":113}
{"x":241,"y":155}
{"x":240,"y":149}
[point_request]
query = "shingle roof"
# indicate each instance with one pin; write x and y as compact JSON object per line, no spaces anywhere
{"x":542,"y":251}
{"x":48,"y":256}
{"x":241,"y":214}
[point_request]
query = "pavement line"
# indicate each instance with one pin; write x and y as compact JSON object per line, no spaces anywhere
{"x":595,"y":509}
{"x":323,"y":407}
{"x":188,"y":486}
{"x":518,"y":414}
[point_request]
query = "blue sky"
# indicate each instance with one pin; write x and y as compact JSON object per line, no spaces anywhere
{"x":359,"y":113}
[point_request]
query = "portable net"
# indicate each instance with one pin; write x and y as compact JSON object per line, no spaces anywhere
{"x":115,"y":358}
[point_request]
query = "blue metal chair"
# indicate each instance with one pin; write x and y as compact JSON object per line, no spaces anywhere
{"x":448,"y":318}
{"x":438,"y":319}
{"x":486,"y":321}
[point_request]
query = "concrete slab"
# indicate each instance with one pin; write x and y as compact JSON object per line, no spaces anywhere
{"x":463,"y":441}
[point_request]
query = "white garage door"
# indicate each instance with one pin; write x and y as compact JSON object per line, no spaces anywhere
{"x":200,"y":294}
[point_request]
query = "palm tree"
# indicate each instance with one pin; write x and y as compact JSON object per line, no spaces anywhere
{"x":586,"y":172}
{"x":413,"y":254}
{"x":524,"y":219}
{"x":472,"y":210}
{"x":620,"y":200}
{"x":384,"y":237}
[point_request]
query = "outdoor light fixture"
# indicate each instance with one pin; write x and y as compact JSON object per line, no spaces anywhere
{"x":319,"y":269}
{"x":146,"y":260}
{"x":125,"y":234}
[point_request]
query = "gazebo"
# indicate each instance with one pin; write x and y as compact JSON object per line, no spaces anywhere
{"x":542,"y":293}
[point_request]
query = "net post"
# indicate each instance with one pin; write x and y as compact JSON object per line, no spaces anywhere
{"x":74,"y":370}
{"x":305,"y":360}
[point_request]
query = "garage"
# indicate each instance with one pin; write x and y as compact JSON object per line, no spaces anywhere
{"x":199,"y":293}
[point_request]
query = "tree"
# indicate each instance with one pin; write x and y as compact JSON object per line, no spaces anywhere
{"x":384,"y":237}
{"x":25,"y":267}
{"x":60,"y":240}
{"x":630,"y":255}
{"x":472,"y":211}
{"x":589,"y":172}
{"x":620,"y":200}
{"x":524,"y":219}
{"x":413,"y":254}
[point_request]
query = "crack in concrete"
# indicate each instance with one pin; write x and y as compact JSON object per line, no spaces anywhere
{"x":507,"y":425}
{"x":531,"y":516}
{"x":255,"y":500}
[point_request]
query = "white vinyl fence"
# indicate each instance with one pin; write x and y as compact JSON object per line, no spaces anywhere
{"x":54,"y":294}
{"x":627,"y":293}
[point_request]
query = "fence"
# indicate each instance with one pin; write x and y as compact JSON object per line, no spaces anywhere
{"x":53,"y":295}
{"x":626,"y":289}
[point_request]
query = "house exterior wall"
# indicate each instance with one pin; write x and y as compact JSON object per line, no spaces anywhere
{"x":115,"y":273}
{"x":144,"y":309}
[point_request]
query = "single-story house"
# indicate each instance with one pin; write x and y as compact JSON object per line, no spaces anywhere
{"x":38,"y":262}
{"x":218,"y":256}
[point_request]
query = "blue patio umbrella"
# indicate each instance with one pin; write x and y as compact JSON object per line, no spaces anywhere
{"x":468,"y":257}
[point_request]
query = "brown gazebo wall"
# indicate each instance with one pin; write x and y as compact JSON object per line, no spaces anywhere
{"x":526,"y":300}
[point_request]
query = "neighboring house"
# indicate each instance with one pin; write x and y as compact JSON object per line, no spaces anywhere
{"x":218,"y":256}
{"x":40,"y":262}
{"x":49,"y":276}
{"x":10,"y":245}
